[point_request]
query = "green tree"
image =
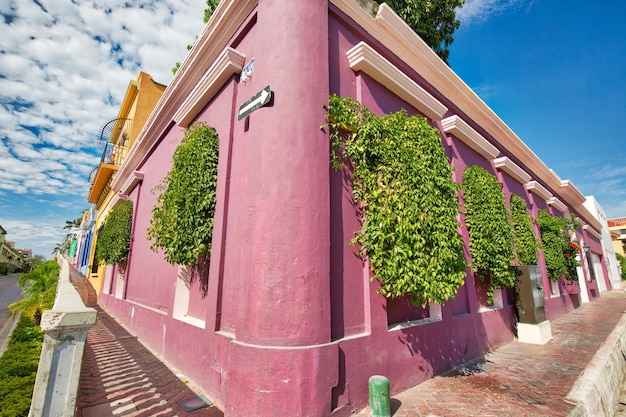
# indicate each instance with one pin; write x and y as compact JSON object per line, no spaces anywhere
{"x":558,"y":248}
{"x":433,"y":20}
{"x":402,"y":183}
{"x":38,"y":290}
{"x":113,"y":242}
{"x":37,"y":260}
{"x":525,"y":242}
{"x":489,"y":227}
{"x":622,"y":261}
{"x":211,"y":5}
{"x":182,"y":221}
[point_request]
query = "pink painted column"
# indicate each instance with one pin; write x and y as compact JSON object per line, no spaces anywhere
{"x":281,"y":362}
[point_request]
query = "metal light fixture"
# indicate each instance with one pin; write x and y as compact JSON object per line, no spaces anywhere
{"x":586,"y":248}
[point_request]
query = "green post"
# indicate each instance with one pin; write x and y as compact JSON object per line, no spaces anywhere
{"x":379,"y":396}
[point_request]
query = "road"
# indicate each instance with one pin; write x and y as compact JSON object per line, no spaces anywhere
{"x":9,"y":292}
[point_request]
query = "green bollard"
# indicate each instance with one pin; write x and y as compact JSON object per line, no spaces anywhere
{"x":379,"y":396}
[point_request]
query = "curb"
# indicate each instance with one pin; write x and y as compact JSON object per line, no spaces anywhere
{"x":596,"y":392}
{"x":6,"y":331}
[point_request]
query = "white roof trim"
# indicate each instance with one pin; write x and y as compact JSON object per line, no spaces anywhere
{"x":538,"y":189}
{"x":592,"y":231}
{"x":570,"y":193}
{"x":135,"y":178}
{"x":363,"y":57}
{"x":459,"y":128}
{"x":228,"y":63}
{"x":505,"y":164}
{"x":557,"y":204}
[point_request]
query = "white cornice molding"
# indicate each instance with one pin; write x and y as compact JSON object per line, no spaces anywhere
{"x":590,"y":230}
{"x":228,"y":63}
{"x":135,"y":178}
{"x":557,"y":204}
{"x":395,"y":35}
{"x":570,"y":193}
{"x":460,"y":129}
{"x":538,"y":189}
{"x":505,"y":164}
{"x":224,"y":24}
{"x":364,"y":58}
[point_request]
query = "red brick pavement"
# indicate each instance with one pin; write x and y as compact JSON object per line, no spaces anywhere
{"x":121,"y":377}
{"x":520,"y":380}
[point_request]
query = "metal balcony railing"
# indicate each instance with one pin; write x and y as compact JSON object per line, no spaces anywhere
{"x":113,"y":154}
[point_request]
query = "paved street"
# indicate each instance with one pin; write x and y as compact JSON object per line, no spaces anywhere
{"x":9,"y":292}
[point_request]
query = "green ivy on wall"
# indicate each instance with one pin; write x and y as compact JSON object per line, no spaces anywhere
{"x":402,"y":182}
{"x":113,"y":241}
{"x":489,"y":228}
{"x":182,"y":221}
{"x":525,"y":243}
{"x":558,"y":249}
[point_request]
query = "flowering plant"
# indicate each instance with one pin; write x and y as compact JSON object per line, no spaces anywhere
{"x":558,"y":247}
{"x":569,"y":253}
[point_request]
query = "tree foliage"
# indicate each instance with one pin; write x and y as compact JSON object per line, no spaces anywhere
{"x":182,"y":221}
{"x":525,"y":243}
{"x":211,"y":5}
{"x":622,"y":262}
{"x":38,"y":290}
{"x":558,"y":248}
{"x":433,"y":20}
{"x":113,"y":242}
{"x":402,"y":182}
{"x":489,"y":228}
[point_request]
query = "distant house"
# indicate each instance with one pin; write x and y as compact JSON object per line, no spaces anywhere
{"x":119,"y":135}
{"x":290,"y":323}
{"x":11,"y":259}
{"x":617,"y":227}
{"x":26,"y":256}
{"x":87,"y":229}
{"x":610,"y":260}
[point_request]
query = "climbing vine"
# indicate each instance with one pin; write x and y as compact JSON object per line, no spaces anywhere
{"x":558,"y":248}
{"x":525,"y":242}
{"x":113,"y":242}
{"x":182,"y":221}
{"x":489,"y":228}
{"x":402,"y":183}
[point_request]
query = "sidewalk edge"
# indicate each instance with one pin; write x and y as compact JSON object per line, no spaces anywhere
{"x":596,"y":391}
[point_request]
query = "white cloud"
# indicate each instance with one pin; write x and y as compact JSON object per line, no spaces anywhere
{"x":476,"y":11}
{"x":65,"y":68}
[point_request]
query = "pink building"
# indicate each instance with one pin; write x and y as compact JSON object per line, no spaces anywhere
{"x":291,"y":324}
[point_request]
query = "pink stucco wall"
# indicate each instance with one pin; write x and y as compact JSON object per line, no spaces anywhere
{"x":291,"y":323}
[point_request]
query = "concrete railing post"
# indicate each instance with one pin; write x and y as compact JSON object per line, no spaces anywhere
{"x":65,"y":328}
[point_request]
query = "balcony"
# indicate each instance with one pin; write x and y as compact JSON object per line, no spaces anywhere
{"x":112,"y":157}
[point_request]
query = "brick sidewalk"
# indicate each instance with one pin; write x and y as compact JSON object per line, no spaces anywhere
{"x":519,"y":380}
{"x":120,"y":377}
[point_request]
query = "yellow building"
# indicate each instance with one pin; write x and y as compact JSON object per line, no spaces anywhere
{"x":120,"y":133}
{"x":10,"y":259}
{"x":617,"y":227}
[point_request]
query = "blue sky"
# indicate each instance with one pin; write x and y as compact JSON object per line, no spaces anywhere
{"x":555,"y":73}
{"x":553,"y":70}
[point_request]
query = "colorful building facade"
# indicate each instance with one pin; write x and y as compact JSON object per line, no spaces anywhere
{"x":120,"y":134}
{"x":617,"y":227}
{"x":291,"y":323}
